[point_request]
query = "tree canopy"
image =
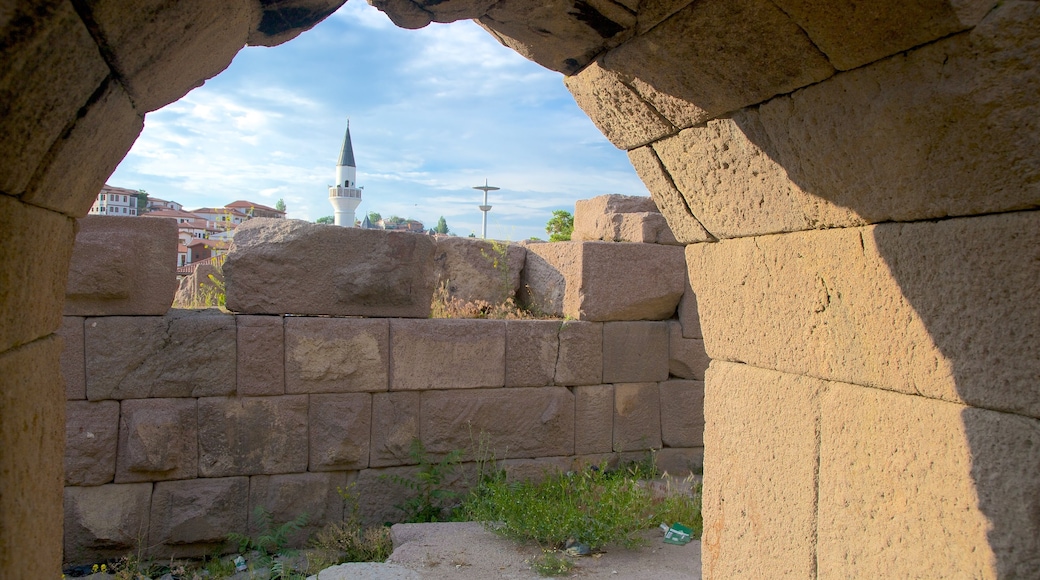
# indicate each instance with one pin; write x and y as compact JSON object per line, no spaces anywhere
{"x":442,"y":227}
{"x":280,"y":206}
{"x":373,"y":216}
{"x":328,"y":219}
{"x":560,"y":226}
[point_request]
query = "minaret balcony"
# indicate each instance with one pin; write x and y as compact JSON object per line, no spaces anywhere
{"x":344,"y":192}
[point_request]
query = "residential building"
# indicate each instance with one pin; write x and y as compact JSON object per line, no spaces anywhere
{"x":113,"y":201}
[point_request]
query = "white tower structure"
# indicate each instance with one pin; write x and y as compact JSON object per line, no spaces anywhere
{"x":345,"y":195}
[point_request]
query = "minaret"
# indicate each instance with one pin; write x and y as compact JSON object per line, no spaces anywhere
{"x":345,"y":196}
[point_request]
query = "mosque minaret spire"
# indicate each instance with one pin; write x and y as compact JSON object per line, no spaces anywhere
{"x":345,"y":195}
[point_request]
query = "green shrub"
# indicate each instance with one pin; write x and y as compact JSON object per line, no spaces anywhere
{"x":431,"y":500}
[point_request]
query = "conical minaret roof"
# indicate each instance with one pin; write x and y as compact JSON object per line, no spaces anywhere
{"x":346,"y":155}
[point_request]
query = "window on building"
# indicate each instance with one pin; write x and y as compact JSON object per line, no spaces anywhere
{"x":102,"y":197}
{"x":124,"y":210}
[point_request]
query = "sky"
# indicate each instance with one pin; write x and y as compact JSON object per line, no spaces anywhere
{"x":433,"y":113}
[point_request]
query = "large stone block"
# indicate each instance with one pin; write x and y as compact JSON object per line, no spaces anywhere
{"x":106,"y":522}
{"x":91,"y":433}
{"x":689,"y":315}
{"x":122,"y":266}
{"x":637,"y":417}
{"x":680,"y":461}
{"x":520,"y":422}
{"x":395,"y":424}
{"x":32,"y":421}
{"x":593,"y":419}
{"x":687,"y":358}
{"x":380,"y":494}
{"x":158,"y":440}
{"x":182,"y":354}
{"x":252,"y":436}
{"x":635,"y":352}
{"x":912,"y":487}
{"x":866,"y":146}
{"x":336,"y":355}
{"x":943,"y":309}
{"x":35,"y":245}
{"x":283,"y":21}
{"x":581,"y":354}
{"x":473,"y":270}
{"x":682,"y":413}
{"x":620,"y":218}
{"x":603,"y":281}
{"x":261,"y":355}
{"x":73,"y":358}
{"x":287,"y":497}
{"x":279,"y":266}
{"x":193,"y":517}
{"x":447,"y":354}
{"x":532,"y":349}
{"x":760,"y":461}
{"x":340,"y":430}
{"x":685,"y":226}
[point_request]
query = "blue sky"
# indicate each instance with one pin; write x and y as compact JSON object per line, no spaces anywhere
{"x":433,"y":112}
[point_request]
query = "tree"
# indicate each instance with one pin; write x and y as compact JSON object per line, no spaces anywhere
{"x":373,"y":216}
{"x":326,"y":220}
{"x":142,"y":201}
{"x":442,"y":227}
{"x":560,"y":226}
{"x":280,"y":206}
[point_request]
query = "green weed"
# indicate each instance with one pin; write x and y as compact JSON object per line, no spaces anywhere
{"x":430,"y":501}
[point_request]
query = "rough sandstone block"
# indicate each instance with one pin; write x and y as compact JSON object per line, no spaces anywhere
{"x":286,"y":497}
{"x":104,"y":522}
{"x":336,"y":355}
{"x":340,"y":427}
{"x":283,"y":21}
{"x":122,"y":266}
{"x":689,"y":315}
{"x":158,"y":440}
{"x":533,"y":469}
{"x":962,"y":293}
{"x":73,"y":358}
{"x":593,"y":419}
{"x":532,"y":349}
{"x":379,"y":495}
{"x":682,"y":413}
{"x":91,"y":432}
{"x":635,"y":352}
{"x":261,"y":355}
{"x":447,"y":354}
{"x":582,"y":280}
{"x":183,"y":354}
{"x":519,"y":422}
{"x":193,"y":517}
{"x":279,"y":266}
{"x":581,"y":354}
{"x":687,"y":358}
{"x":620,"y":218}
{"x":680,"y":461}
{"x":252,"y":436}
{"x":395,"y":423}
{"x":906,"y":483}
{"x":637,"y":417}
{"x":478,"y":270}
{"x":685,"y":226}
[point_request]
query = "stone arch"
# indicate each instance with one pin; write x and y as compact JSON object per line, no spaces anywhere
{"x":859,"y":189}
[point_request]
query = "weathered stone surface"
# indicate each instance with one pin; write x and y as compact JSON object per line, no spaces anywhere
{"x":520,"y":422}
{"x":759,"y":512}
{"x":395,"y":423}
{"x":582,"y":280}
{"x":447,"y":354}
{"x":635,"y":352}
{"x":32,"y":420}
{"x":955,"y":495}
{"x":107,"y":521}
{"x":685,"y":226}
{"x":689,"y":316}
{"x":620,"y":218}
{"x":618,"y":112}
{"x":862,"y":147}
{"x":194,"y":517}
{"x":286,"y":497}
{"x":962,"y":293}
{"x":91,"y":432}
{"x":404,"y":13}
{"x":164,"y":50}
{"x":279,"y":266}
{"x":379,"y":494}
{"x":73,"y":362}
{"x":533,"y":469}
{"x":593,"y":419}
{"x":183,"y":354}
{"x":158,"y":440}
{"x":336,"y":355}
{"x":680,"y":461}
{"x":284,"y":20}
{"x":261,"y":355}
{"x":340,"y":428}
{"x":687,"y":358}
{"x":581,"y":354}
{"x":252,"y":436}
{"x":478,"y":270}
{"x":637,"y":417}
{"x":532,"y":349}
{"x":45,"y":46}
{"x":122,"y":266}
{"x":35,"y":245}
{"x":722,"y":72}
{"x":682,"y":413}
{"x":198,"y":290}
